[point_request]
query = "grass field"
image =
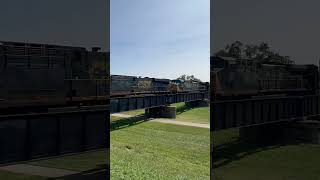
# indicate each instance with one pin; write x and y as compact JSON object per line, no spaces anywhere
{"x":152,"y":150}
{"x":134,"y":113}
{"x":196,"y":115}
{"x":236,"y":160}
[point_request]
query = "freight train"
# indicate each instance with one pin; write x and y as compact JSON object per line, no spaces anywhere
{"x":50,"y":75}
{"x":239,"y":78}
{"x":131,"y":85}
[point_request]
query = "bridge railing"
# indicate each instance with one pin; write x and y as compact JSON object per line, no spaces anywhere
{"x":241,"y":113}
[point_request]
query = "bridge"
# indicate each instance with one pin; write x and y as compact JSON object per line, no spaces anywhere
{"x":64,"y":130}
{"x":54,"y":133}
{"x":259,"y":111}
{"x":129,"y":103}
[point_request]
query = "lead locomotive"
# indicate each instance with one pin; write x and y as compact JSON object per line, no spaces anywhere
{"x":240,"y":77}
{"x":131,"y":85}
{"x":33,"y":75}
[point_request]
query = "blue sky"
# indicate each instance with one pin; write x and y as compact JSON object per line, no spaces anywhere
{"x":160,"y":38}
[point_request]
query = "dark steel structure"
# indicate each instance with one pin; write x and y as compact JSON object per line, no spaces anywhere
{"x":239,"y":77}
{"x":60,"y":131}
{"x":128,"y":103}
{"x":248,"y":112}
{"x":54,"y":100}
{"x":51,"y":75}
{"x":247,"y":93}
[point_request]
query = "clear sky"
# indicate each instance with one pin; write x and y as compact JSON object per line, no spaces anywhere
{"x":63,"y":22}
{"x":291,"y":27}
{"x":160,"y":38}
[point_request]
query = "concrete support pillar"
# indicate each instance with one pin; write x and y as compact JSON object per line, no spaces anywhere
{"x":161,"y":112}
{"x":199,"y":103}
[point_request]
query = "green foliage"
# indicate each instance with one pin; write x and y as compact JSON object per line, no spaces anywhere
{"x":185,"y":77}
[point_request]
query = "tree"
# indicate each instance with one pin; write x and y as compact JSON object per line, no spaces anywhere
{"x":235,"y":49}
{"x":188,"y":78}
{"x":251,"y":51}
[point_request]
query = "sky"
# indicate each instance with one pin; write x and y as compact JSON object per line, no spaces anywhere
{"x":160,"y":38}
{"x":290,"y":27}
{"x":62,"y":22}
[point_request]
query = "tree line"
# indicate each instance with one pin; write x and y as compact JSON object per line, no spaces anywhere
{"x":261,"y":52}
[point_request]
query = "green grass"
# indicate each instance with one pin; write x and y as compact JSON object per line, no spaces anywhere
{"x":236,"y":160}
{"x":114,"y":118}
{"x":152,"y":150}
{"x":12,"y":176}
{"x":81,"y":162}
{"x":134,"y":112}
{"x":196,"y":115}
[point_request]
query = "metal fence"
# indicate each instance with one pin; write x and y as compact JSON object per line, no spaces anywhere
{"x":31,"y":136}
{"x":240,"y":113}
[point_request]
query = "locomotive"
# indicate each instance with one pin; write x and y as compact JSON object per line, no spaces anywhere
{"x":127,"y":85}
{"x":188,"y":85}
{"x":51,"y":75}
{"x":131,"y":85}
{"x":241,"y":77}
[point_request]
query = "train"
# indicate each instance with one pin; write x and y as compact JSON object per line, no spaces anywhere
{"x":33,"y":75}
{"x":243,"y":77}
{"x":122,"y":85}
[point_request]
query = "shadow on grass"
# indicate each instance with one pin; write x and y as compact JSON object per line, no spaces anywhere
{"x":232,"y":151}
{"x":127,"y":122}
{"x":237,"y":149}
{"x":100,"y":172}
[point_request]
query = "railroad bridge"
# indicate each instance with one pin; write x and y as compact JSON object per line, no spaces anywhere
{"x":154,"y":101}
{"x":271,"y":117}
{"x":63,"y":130}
